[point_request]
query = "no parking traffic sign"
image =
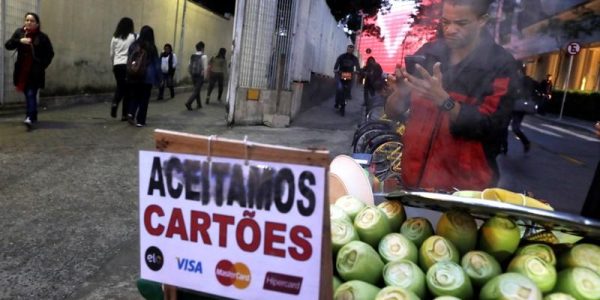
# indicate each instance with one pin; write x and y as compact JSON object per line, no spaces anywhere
{"x":573,"y":48}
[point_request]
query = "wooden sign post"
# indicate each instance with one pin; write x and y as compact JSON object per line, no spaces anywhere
{"x":235,"y":219}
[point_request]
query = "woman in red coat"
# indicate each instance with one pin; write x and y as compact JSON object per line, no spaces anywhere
{"x":34,"y":55}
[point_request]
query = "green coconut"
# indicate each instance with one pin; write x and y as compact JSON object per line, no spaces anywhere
{"x":581,"y":255}
{"x":395,"y":213}
{"x":359,"y":261}
{"x":447,"y":278}
{"x":509,"y":286}
{"x":336,"y":213}
{"x":372,"y":225}
{"x":480,"y":267}
{"x":395,"y":293}
{"x":559,"y":296}
{"x":355,"y":290}
{"x":581,"y":283}
{"x":417,"y":230}
{"x":499,"y":237}
{"x":394,"y":246}
{"x":542,"y":251}
{"x":405,"y":274}
{"x":459,"y":228}
{"x":435,"y":249}
{"x":350,"y":205}
{"x":342,"y":232}
{"x":542,"y":273}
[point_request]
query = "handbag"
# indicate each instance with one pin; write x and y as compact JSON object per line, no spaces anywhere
{"x":524,"y":105}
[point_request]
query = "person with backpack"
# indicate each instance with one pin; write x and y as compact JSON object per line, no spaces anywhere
{"x":119,"y":46}
{"x":143,"y":71}
{"x":197,"y":68}
{"x":34,"y":55}
{"x":217,"y":67}
{"x":168,"y":62}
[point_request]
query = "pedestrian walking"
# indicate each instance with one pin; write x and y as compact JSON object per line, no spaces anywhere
{"x":34,"y":55}
{"x":373,"y":75}
{"x":168,"y":64}
{"x":197,"y":69}
{"x":217,"y":67}
{"x":143,"y":71}
{"x":119,"y":47}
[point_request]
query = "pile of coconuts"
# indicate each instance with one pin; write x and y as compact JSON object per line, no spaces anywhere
{"x":380,"y":254}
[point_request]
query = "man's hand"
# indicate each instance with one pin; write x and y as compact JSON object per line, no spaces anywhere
{"x":429,"y":85}
{"x":397,"y":102}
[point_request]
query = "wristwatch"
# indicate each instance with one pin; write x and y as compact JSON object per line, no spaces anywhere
{"x":447,"y":105}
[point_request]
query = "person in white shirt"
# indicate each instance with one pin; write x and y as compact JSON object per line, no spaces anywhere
{"x":119,"y":46}
{"x":168,"y":64}
{"x":198,"y":68}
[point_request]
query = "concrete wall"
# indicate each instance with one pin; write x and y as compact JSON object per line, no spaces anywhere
{"x":81,"y":30}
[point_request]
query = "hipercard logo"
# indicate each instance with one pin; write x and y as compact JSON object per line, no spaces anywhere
{"x":236,"y":274}
{"x":282,"y":283}
{"x":190,"y":265}
{"x":154,"y":258}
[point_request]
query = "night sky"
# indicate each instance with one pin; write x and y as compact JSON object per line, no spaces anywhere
{"x":218,"y":6}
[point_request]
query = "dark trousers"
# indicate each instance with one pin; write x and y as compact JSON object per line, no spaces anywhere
{"x":343,"y":91}
{"x":218,"y":79}
{"x":166,"y":80}
{"x":198,"y":81}
{"x":31,"y":103}
{"x":140,"y":95}
{"x":517,"y":119}
{"x":122,"y":90}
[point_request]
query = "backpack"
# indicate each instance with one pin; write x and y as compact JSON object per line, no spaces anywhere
{"x":137,"y":63}
{"x":196,"y":67}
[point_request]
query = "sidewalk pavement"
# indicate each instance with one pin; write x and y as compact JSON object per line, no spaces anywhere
{"x":69,"y":188}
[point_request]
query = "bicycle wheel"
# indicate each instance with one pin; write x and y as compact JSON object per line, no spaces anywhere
{"x":380,"y":139}
{"x":363,"y":139}
{"x":367,"y":126}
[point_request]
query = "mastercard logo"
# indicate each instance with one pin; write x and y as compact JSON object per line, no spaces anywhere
{"x":229,"y":274}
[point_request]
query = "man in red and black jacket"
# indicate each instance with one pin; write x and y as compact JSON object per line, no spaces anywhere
{"x":460,"y":103}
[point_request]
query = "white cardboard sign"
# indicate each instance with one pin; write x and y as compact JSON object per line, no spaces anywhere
{"x":230,"y":227}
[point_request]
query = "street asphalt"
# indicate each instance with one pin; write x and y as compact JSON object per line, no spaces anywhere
{"x":69,"y":189}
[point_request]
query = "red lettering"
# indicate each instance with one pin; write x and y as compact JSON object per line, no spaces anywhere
{"x":271,"y":238}
{"x":254,"y":239}
{"x":298,"y":235}
{"x":150,"y":210}
{"x":200,"y":227}
{"x":223,"y":221}
{"x":177,"y":225}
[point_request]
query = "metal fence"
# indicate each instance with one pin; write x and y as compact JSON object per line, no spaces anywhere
{"x":12,"y":13}
{"x":266,"y":38}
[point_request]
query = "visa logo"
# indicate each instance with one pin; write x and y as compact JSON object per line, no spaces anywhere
{"x":189,"y":265}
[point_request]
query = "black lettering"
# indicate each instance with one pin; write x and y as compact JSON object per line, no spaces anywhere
{"x":157,"y":181}
{"x":237,"y":190}
{"x":173,"y":165}
{"x":283,"y":179}
{"x":307,"y":192}
{"x":205,"y":182}
{"x":191,"y":175}
{"x":264,"y":195}
{"x":219,"y":171}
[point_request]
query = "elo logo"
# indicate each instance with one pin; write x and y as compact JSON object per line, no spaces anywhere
{"x":189,"y":265}
{"x":236,"y":274}
{"x":154,"y":258}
